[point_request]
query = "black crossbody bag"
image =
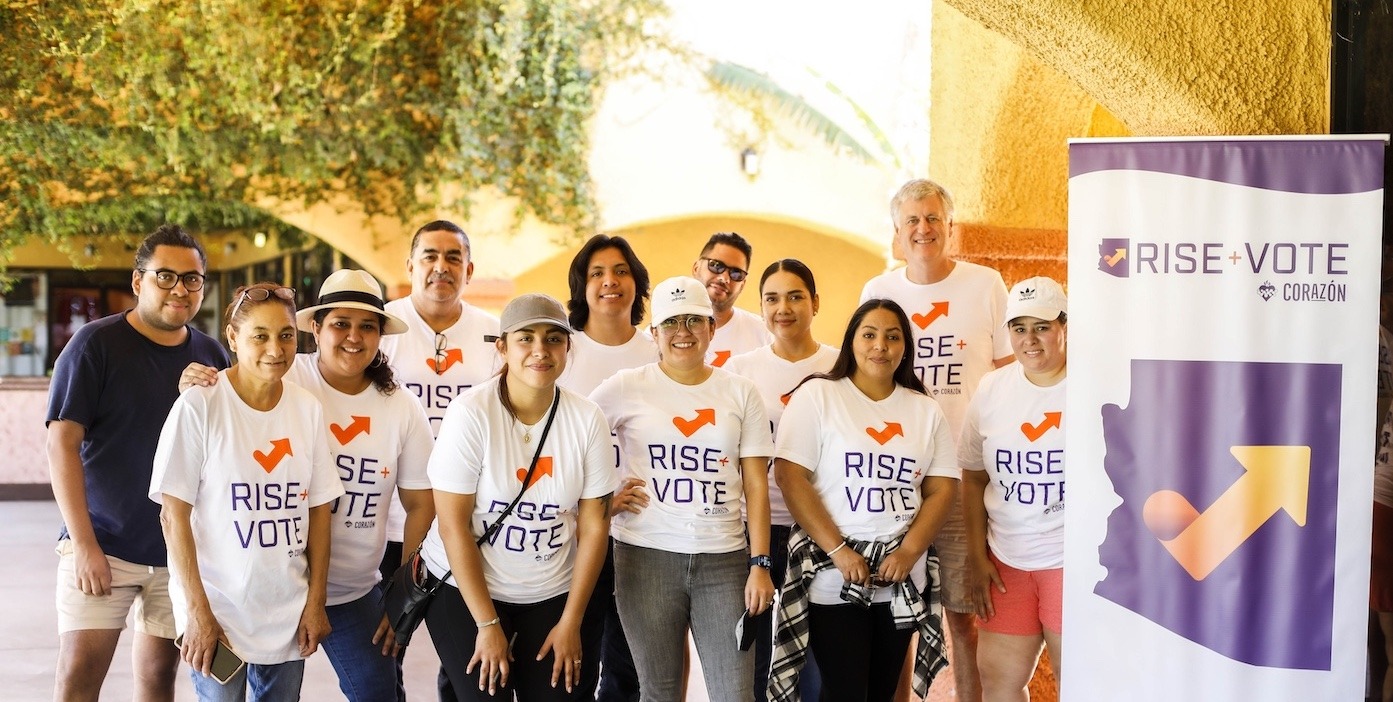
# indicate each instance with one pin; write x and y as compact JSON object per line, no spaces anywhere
{"x":412,"y":587}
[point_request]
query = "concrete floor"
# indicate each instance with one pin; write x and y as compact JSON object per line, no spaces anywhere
{"x":29,"y":637}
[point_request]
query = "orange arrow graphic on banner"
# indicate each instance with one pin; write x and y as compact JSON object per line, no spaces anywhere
{"x":1035,"y":431}
{"x":891,"y":430}
{"x":451,"y":357}
{"x":360,"y":425}
{"x":1278,"y":478}
{"x":689,"y":426}
{"x":939,"y":309}
{"x":543,"y":469}
{"x":280,"y":448}
{"x":1117,"y":255}
{"x":720,"y":358}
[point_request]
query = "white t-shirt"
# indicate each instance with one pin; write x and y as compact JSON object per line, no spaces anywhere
{"x":744,"y":332}
{"x":590,"y":362}
{"x":958,"y":330}
{"x":252,"y":478}
{"x":379,"y":443}
{"x":866,"y":459}
{"x":775,"y":378}
{"x":685,"y":443}
{"x":481,"y":452}
{"x":1015,"y":431}
{"x":466,"y":361}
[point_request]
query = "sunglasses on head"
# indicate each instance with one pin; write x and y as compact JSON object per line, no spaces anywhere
{"x":261,"y":295}
{"x":719,"y":267}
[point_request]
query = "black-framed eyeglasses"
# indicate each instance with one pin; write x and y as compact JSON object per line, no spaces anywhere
{"x":261,"y":295}
{"x":693,"y":322}
{"x":166,"y":279}
{"x":441,"y":342}
{"x":719,"y":267}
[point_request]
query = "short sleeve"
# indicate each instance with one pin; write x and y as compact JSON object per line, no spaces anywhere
{"x":1001,"y":337}
{"x":755,"y":439}
{"x":970,"y":443}
{"x":601,"y":478}
{"x":325,"y":485}
{"x":76,"y":385}
{"x":800,"y":429}
{"x":417,"y":444}
{"x":180,"y":454}
{"x":944,"y":462}
{"x":457,"y":461}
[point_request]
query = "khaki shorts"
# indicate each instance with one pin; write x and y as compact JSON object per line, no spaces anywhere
{"x":951,"y":545}
{"x":145,"y":587}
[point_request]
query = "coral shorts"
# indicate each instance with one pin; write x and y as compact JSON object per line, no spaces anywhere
{"x":1034,"y":599}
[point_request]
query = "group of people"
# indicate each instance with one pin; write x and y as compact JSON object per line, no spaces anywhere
{"x":585,"y":492}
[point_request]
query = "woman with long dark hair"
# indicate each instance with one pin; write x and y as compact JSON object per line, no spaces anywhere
{"x":865,"y":461}
{"x":788,"y":299}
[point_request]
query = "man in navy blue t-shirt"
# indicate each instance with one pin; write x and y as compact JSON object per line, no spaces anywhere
{"x":112,"y":387}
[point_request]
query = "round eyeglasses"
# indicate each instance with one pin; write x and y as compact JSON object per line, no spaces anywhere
{"x":166,"y":279}
{"x":692,"y":322}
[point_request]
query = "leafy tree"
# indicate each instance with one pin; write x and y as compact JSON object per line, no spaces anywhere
{"x":119,"y":114}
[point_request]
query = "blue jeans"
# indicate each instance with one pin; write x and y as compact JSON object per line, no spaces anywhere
{"x":660,"y":594}
{"x":267,"y":683}
{"x":365,"y":675}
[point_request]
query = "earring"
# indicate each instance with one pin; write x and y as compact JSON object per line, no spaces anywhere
{"x":378,"y":360}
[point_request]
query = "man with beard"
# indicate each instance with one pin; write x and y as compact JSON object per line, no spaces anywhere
{"x":723,"y":266}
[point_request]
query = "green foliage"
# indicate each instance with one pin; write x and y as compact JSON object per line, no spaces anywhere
{"x":762,"y":98}
{"x":116,"y":115}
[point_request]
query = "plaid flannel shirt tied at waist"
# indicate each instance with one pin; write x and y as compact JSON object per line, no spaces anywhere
{"x":909,"y":609}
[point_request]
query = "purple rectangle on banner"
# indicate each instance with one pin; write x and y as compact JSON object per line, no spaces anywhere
{"x":1324,"y":167}
{"x":1228,"y":474}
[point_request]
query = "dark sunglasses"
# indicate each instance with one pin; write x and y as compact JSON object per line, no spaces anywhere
{"x":261,"y":295}
{"x":718,"y":267}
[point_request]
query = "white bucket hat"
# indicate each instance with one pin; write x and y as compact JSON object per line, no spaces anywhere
{"x":355,"y":290}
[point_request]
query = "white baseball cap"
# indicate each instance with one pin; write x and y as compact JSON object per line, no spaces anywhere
{"x":1038,"y":297}
{"x":678,"y":296}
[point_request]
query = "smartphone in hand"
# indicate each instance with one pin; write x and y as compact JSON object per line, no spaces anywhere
{"x":226,"y":662}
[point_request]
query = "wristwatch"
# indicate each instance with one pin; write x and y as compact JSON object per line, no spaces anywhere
{"x":764,"y":562}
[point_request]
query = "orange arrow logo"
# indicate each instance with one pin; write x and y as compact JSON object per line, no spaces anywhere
{"x":1117,"y":255}
{"x":1277,"y":479}
{"x":891,"y":430}
{"x":939,"y":309}
{"x":720,"y":358}
{"x":280,"y":448}
{"x":451,"y":357}
{"x":690,"y":426}
{"x":359,"y":425}
{"x":543,"y":470}
{"x":1033,"y":432}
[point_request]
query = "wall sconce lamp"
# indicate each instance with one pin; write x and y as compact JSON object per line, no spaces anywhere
{"x":90,"y":250}
{"x":749,"y":161}
{"x":259,"y":240}
{"x":229,"y":248}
